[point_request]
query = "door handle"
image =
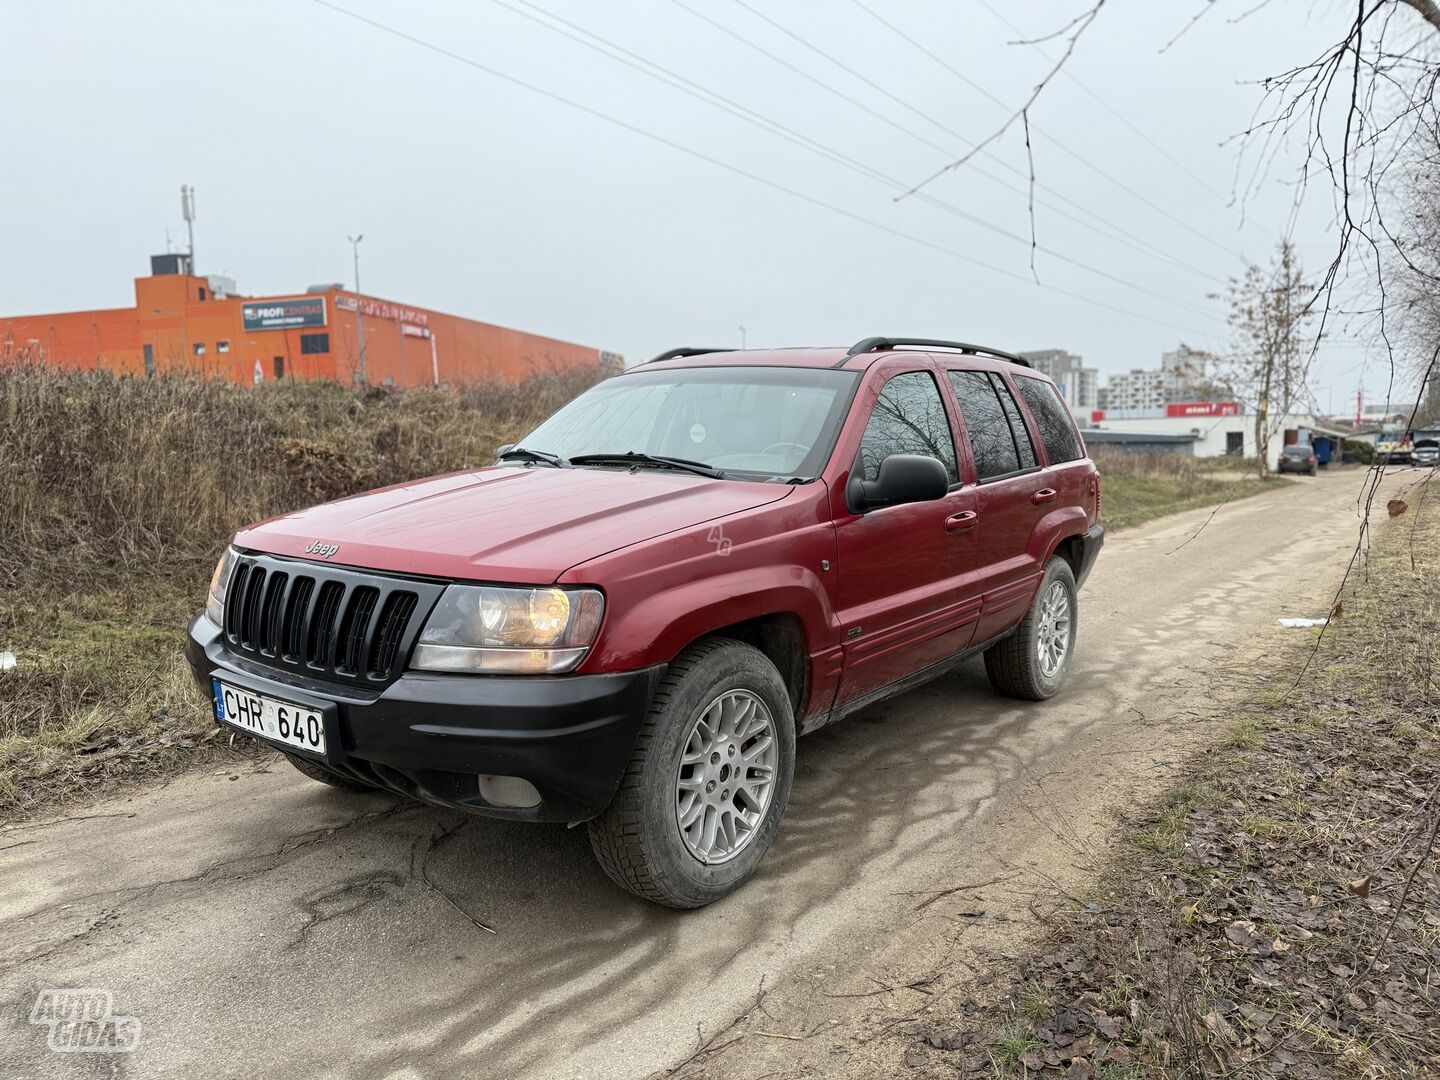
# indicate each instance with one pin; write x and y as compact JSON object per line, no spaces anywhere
{"x":1044,"y":495}
{"x":966,"y":519}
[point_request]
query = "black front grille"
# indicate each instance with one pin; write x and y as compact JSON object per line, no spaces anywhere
{"x":326,"y":622}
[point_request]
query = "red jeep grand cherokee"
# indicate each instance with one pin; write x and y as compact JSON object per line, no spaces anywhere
{"x":631,"y":616}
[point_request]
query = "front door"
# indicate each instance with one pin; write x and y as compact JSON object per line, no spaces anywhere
{"x":896,"y":596}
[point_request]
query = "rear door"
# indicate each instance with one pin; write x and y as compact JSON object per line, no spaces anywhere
{"x":1012,"y":496}
{"x":1068,"y":471}
{"x":896,"y":596}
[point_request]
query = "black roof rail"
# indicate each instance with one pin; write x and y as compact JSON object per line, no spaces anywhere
{"x":675,"y":354}
{"x":871,"y":344}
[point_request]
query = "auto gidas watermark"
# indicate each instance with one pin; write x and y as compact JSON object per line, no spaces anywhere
{"x":82,"y":1020}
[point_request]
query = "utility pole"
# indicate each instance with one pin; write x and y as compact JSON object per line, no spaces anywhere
{"x":742,"y":337}
{"x":359,"y":303}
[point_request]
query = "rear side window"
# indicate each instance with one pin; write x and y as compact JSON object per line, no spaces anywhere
{"x":999,"y":439}
{"x":1056,"y":428}
{"x":909,"y":418}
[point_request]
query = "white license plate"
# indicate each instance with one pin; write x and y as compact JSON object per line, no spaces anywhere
{"x":270,"y":718}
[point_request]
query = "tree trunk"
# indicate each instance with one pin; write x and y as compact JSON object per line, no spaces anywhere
{"x":1262,"y":419}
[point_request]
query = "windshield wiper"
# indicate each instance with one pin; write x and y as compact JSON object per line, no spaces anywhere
{"x":527,"y":454}
{"x":631,"y":457}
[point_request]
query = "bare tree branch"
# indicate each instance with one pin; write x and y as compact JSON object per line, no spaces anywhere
{"x":1080,"y":23}
{"x":1428,"y":9}
{"x":1209,"y":6}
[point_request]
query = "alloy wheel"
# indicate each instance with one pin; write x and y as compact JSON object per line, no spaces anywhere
{"x":1053,"y":639}
{"x":726,"y":776}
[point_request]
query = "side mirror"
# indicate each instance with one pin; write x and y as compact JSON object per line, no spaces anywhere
{"x":502,"y":448}
{"x":903,"y":478}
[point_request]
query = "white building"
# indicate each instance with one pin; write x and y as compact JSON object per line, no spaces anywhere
{"x":1181,"y":377}
{"x":1136,"y":390}
{"x":1079,"y":385}
{"x":1214,"y":436}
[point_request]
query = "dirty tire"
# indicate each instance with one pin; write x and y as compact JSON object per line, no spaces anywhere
{"x":637,"y":840}
{"x":316,"y":770}
{"x":1014,"y":664}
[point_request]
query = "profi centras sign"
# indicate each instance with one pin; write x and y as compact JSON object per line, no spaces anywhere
{"x":283,"y":314}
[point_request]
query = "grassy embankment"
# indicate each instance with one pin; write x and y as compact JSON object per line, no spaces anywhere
{"x":116,"y":496}
{"x":1137,"y":488}
{"x":1277,"y":913}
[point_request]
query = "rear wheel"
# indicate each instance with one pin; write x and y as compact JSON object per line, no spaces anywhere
{"x":701,"y":800}
{"x":1032,"y":662}
{"x":316,"y":770}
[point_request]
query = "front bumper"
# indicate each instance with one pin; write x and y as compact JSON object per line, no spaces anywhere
{"x":431,"y":736}
{"x":1090,"y":545}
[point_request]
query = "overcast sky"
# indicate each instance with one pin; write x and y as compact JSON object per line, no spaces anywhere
{"x":298,"y":125}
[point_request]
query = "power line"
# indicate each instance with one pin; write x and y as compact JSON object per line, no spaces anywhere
{"x":1114,"y":229}
{"x":921,"y":113}
{"x":680,"y":82}
{"x":1172,"y":159}
{"x":440,"y":50}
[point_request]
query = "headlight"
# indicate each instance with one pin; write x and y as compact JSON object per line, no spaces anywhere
{"x":219,"y":585}
{"x":483,"y":628}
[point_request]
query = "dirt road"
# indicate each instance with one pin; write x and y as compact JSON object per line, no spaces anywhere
{"x":260,"y":924}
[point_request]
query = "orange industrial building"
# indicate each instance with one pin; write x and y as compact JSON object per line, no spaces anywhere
{"x":185,"y":322}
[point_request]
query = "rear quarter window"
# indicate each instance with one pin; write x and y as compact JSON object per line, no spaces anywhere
{"x":1057,"y":430}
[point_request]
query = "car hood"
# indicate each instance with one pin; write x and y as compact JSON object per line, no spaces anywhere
{"x":522,"y":524}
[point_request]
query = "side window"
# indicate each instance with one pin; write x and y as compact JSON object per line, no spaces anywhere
{"x":1053,"y":420}
{"x":909,"y":418}
{"x":992,"y":420}
{"x":1023,"y":446}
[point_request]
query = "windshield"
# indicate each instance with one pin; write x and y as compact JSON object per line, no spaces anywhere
{"x":755,"y":423}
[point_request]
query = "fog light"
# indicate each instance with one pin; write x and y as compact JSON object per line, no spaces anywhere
{"x":508,"y":791}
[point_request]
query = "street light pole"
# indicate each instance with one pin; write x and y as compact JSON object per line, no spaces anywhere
{"x":359,"y":304}
{"x":742,"y":337}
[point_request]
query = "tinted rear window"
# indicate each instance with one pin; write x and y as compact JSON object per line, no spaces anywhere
{"x":1057,"y":430}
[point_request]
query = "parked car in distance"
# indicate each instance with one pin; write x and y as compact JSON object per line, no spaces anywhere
{"x":1297,"y":458}
{"x":631,"y":616}
{"x":1393,"y":447}
{"x":1425,"y":453}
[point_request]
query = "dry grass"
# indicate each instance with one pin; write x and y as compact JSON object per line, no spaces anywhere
{"x":102,"y":472}
{"x":1140,"y":487}
{"x":1276,"y":913}
{"x":116,"y":495}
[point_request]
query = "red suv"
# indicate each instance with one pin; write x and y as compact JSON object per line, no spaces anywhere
{"x":629,"y":618}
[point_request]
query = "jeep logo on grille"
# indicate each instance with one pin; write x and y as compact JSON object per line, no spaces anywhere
{"x":324,"y":551}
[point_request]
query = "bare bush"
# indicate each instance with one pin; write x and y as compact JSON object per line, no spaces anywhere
{"x":101,"y":472}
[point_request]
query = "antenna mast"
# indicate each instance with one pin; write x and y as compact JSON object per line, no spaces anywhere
{"x":187,"y":211}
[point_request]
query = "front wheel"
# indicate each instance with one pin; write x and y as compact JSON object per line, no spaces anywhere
{"x":701,"y":800}
{"x":1032,"y":662}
